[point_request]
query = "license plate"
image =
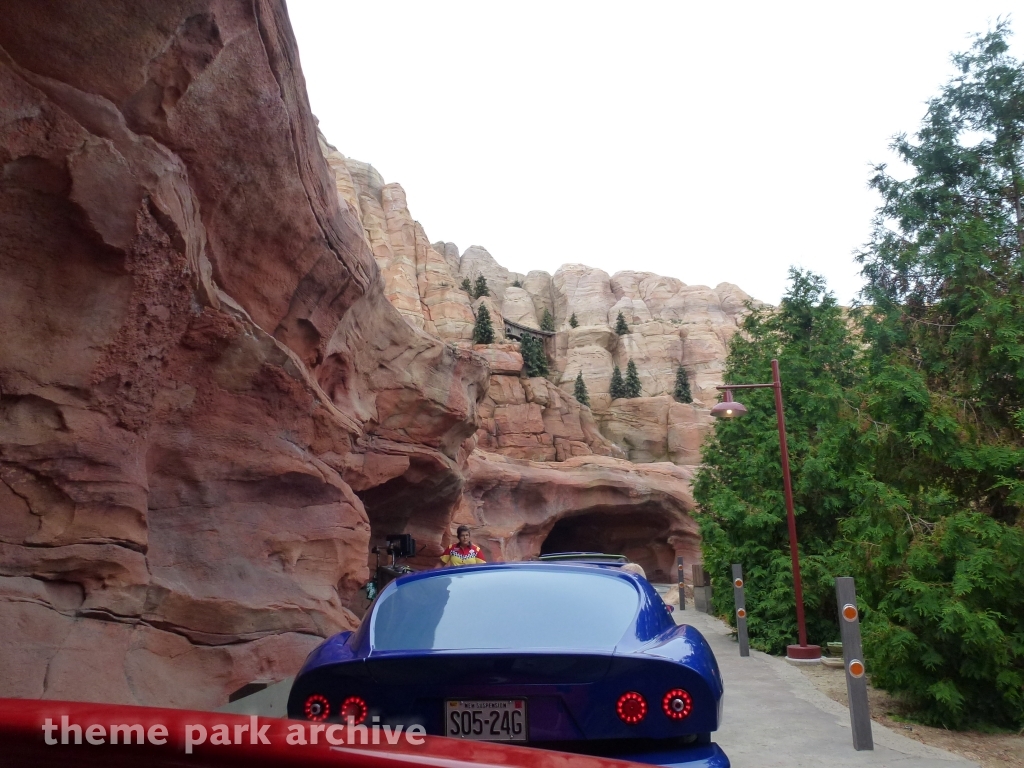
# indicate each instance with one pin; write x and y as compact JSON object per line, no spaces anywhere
{"x":486,"y":719}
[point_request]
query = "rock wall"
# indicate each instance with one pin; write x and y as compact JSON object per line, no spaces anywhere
{"x":671,"y":324}
{"x":203,"y":385}
{"x":533,"y":433}
{"x":231,"y":361}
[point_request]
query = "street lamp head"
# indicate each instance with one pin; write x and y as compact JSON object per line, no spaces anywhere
{"x":728,"y":408}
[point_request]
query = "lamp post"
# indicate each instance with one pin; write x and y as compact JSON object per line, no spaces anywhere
{"x":730,"y":409}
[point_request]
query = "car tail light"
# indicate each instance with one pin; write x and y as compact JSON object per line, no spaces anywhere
{"x":677,"y":704}
{"x":316,"y":707}
{"x":353,"y":708}
{"x":631,"y":707}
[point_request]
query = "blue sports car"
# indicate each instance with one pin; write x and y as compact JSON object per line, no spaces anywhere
{"x":572,"y":656}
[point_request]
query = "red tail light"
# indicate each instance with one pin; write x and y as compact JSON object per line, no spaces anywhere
{"x":631,"y":707}
{"x":317,"y":708}
{"x":353,"y":708}
{"x":677,"y":704}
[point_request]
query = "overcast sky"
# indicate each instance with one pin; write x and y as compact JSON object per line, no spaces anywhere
{"x":707,"y":141}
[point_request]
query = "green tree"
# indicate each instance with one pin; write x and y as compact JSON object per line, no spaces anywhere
{"x":517,"y":283}
{"x":633,"y":388}
{"x":467,"y":286}
{"x":944,"y":323}
{"x":580,"y":390}
{"x":483,"y":331}
{"x":621,"y":327}
{"x":480,"y":287}
{"x":573,"y":322}
{"x":682,"y":390}
{"x":547,"y":322}
{"x":617,"y":388}
{"x":742,"y":515}
{"x":535,"y":361}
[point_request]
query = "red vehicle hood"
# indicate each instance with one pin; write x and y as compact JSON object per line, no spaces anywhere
{"x":256,"y":742}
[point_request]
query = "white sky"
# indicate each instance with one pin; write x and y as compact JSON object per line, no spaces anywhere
{"x":707,"y":141}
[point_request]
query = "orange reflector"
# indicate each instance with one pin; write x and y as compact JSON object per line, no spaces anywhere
{"x":742,"y":613}
{"x":850,"y":612}
{"x":738,"y":582}
{"x":856,"y":668}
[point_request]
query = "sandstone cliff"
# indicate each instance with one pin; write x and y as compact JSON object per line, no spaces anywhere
{"x":203,"y":386}
{"x":230,"y":361}
{"x":671,"y":324}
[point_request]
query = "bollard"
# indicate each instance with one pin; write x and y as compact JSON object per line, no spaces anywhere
{"x":739,"y":596}
{"x":853,"y":660}
{"x":701,"y":589}
{"x":679,"y":575}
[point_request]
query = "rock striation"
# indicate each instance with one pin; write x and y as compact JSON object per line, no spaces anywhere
{"x":231,"y":361}
{"x":207,"y":396}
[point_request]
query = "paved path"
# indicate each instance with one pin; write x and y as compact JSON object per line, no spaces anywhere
{"x":775,"y":716}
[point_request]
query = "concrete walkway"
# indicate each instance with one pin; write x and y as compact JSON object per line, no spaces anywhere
{"x":775,"y":716}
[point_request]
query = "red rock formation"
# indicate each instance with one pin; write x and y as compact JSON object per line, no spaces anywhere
{"x":199,"y":372}
{"x":586,"y":503}
{"x":209,"y":406}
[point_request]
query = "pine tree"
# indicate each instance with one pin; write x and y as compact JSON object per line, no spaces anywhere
{"x":573,"y":322}
{"x":547,"y":322}
{"x":483,"y":331}
{"x":620,"y":325}
{"x":617,"y":388}
{"x":467,"y":286}
{"x":682,"y":390}
{"x":517,"y":283}
{"x":535,"y":362}
{"x":480,"y":287}
{"x":944,"y":324}
{"x":633,"y":388}
{"x":580,"y":390}
{"x":741,"y":511}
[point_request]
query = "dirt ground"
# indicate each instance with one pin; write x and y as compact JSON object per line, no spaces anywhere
{"x":990,"y":750}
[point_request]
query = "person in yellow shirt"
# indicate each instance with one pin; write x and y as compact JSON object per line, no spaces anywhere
{"x":463,"y":551}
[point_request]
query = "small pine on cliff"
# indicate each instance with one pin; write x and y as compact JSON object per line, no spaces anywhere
{"x":535,"y":362}
{"x":633,"y":388}
{"x":573,"y":322}
{"x":621,"y":327}
{"x":580,"y":390}
{"x":617,"y":388}
{"x":682,"y":392}
{"x":547,"y":322}
{"x":483,"y":331}
{"x":480,"y":288}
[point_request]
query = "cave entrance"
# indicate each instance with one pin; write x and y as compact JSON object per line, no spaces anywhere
{"x":641,"y":534}
{"x":419,"y":501}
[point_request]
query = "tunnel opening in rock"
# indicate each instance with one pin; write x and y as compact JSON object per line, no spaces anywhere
{"x":640,"y":533}
{"x":420,"y":502}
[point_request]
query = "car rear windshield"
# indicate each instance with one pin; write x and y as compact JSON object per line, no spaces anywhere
{"x":506,"y":609}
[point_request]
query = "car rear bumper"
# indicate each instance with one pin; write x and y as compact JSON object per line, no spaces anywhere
{"x":699,"y":756}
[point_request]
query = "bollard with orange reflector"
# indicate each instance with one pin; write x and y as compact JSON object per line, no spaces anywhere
{"x":680,"y":579}
{"x":853,"y":655}
{"x":741,"y":609}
